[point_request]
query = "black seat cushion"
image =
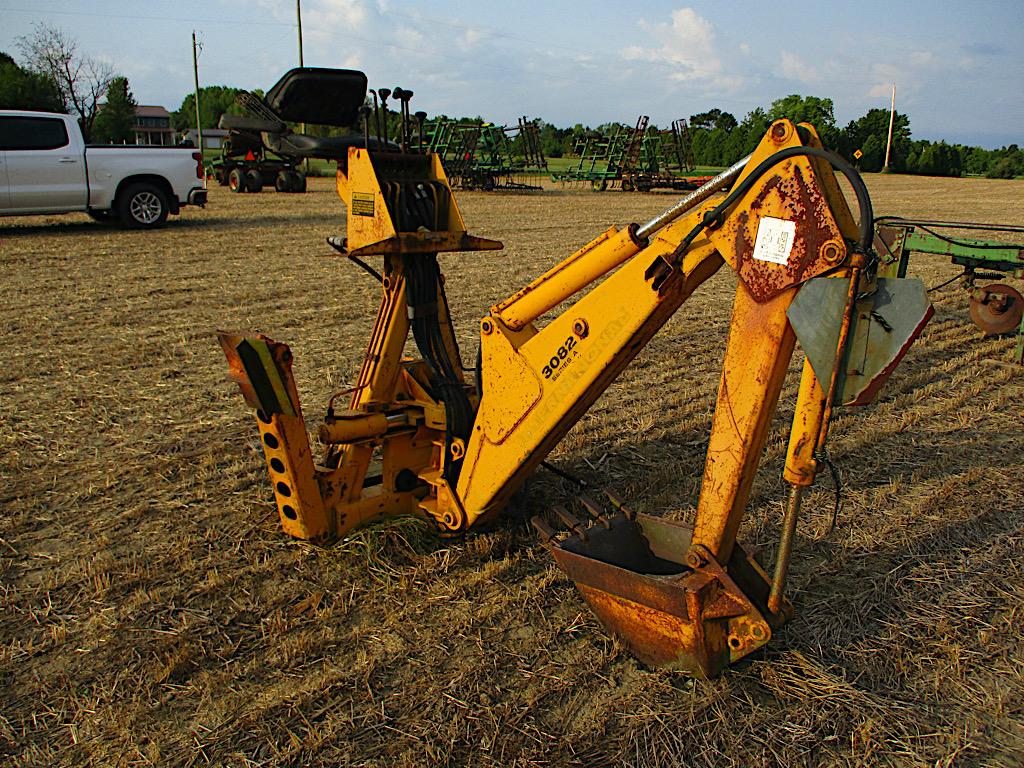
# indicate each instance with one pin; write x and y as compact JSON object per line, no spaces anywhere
{"x":319,"y":96}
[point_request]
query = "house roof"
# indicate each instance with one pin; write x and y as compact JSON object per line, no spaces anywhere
{"x":151,"y":111}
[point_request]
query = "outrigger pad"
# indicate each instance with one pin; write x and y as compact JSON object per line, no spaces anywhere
{"x":885,"y":324}
{"x":319,"y":96}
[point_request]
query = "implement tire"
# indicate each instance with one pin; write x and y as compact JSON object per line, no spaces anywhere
{"x":254,"y":181}
{"x":237,"y":182}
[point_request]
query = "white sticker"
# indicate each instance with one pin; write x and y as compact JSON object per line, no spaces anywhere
{"x":774,"y":240}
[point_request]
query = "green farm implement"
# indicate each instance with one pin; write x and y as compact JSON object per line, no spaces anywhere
{"x":996,"y":307}
{"x":479,"y":155}
{"x":635,"y":159}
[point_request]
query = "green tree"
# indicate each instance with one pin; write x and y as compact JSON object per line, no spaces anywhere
{"x":116,"y":119}
{"x":214,"y":101}
{"x":976,"y":160}
{"x":876,"y":124}
{"x":1003,"y":168}
{"x":22,"y":89}
{"x":815,"y":110}
{"x":938,"y":160}
{"x":872,"y":154}
{"x":713,"y":118}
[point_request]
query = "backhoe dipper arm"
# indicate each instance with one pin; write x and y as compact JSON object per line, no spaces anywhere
{"x":693,"y":598}
{"x":537,"y":384}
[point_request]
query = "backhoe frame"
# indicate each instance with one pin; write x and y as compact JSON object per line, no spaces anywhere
{"x":454,"y":453}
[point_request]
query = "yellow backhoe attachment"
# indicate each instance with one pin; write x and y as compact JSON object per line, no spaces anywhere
{"x":455,"y":451}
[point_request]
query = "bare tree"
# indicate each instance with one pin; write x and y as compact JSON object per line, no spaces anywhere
{"x":82,"y":81}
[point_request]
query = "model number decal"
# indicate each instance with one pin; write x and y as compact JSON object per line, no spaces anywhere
{"x":562,"y":357}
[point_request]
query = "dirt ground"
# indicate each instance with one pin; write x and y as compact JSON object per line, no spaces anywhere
{"x":154,"y":614}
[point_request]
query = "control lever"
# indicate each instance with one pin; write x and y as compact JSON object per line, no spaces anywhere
{"x":384,"y":94}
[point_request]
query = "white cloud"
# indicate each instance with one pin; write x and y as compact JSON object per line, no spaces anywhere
{"x":350,"y":13}
{"x":472,"y":37}
{"x":408,"y":37}
{"x":793,"y":66}
{"x":687,"y":44}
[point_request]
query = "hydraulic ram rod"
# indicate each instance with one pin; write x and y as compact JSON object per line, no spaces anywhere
{"x":599,"y":257}
{"x":699,"y":195}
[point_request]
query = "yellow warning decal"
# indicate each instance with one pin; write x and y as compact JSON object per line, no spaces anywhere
{"x":362,"y":203}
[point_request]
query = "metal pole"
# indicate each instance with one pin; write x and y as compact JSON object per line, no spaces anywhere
{"x":298,"y":19}
{"x":721,"y":181}
{"x":298,"y":16}
{"x":195,"y":73}
{"x":892,"y":116}
{"x":785,"y":549}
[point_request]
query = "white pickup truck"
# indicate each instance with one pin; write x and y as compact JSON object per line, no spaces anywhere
{"x":45,"y":167}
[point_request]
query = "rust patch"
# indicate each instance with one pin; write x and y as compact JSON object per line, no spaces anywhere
{"x":790,"y":193}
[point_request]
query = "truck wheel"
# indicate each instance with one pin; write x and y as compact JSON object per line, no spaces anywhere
{"x":254,"y":181}
{"x":298,"y":181}
{"x":283,"y":182}
{"x":237,"y":181}
{"x":142,"y":206}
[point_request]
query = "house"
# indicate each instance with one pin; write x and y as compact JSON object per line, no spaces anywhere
{"x":213,"y":138}
{"x":153,"y":126}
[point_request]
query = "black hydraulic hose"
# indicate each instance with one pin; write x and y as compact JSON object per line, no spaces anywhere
{"x":424,"y":287}
{"x":951,"y":280}
{"x":945,"y":238}
{"x":715,"y":216}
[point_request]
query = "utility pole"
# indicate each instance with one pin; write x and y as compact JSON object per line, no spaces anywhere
{"x":195,"y":73}
{"x":888,"y":141}
{"x":298,"y":15}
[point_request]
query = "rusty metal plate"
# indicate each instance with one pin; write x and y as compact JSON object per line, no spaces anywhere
{"x":997,"y":308}
{"x":808,"y":243}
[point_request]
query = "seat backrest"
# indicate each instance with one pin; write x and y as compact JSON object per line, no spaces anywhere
{"x":319,"y":96}
{"x":253,"y":124}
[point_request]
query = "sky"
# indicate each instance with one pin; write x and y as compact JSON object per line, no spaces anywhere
{"x":958,"y":67}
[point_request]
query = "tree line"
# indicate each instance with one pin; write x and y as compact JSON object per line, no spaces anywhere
{"x":57,"y":77}
{"x":718,"y":139}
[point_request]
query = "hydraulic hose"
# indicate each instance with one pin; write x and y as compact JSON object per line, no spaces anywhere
{"x":715,"y":216}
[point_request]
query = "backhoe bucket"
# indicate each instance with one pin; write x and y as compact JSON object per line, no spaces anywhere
{"x":691,"y":616}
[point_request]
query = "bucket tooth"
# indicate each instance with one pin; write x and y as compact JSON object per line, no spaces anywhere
{"x":543,"y":528}
{"x":574,"y":525}
{"x":599,"y":513}
{"x":618,"y":505}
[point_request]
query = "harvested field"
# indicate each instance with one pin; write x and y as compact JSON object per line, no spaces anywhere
{"x":154,"y":614}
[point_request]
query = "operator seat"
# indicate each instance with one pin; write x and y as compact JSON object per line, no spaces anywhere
{"x":317,"y":96}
